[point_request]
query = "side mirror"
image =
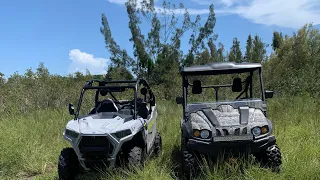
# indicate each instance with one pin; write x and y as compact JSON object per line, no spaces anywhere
{"x":236,"y":85}
{"x":268,"y":94}
{"x":179,"y":100}
{"x":71,"y":109}
{"x":196,"y":87}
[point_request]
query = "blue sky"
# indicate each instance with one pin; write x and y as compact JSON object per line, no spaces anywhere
{"x":65,"y":35}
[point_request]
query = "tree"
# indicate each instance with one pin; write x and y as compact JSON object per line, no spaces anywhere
{"x":204,"y":57}
{"x":119,"y":57}
{"x":116,"y":73}
{"x":276,"y":40}
{"x":213,"y":50}
{"x":2,"y":79}
{"x":220,"y":52}
{"x":259,"y":50}
{"x":235,"y":54}
{"x":249,"y":49}
{"x":42,"y":71}
{"x":160,"y":47}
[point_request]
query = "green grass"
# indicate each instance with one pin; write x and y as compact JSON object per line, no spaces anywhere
{"x":30,"y":146}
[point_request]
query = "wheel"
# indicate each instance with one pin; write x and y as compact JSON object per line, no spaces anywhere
{"x":158,"y":145}
{"x":188,"y":161}
{"x":135,"y":156}
{"x":68,"y":165}
{"x":271,"y":158}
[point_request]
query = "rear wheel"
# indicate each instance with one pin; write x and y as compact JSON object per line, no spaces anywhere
{"x":271,"y":158}
{"x":68,"y":165}
{"x":158,"y":145}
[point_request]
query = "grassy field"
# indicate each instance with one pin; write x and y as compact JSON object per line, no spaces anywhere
{"x":30,"y":145}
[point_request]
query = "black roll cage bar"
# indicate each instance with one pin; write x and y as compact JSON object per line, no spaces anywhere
{"x":135,"y":85}
{"x":185,"y":82}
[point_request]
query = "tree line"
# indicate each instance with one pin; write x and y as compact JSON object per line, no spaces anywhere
{"x":290,"y":69}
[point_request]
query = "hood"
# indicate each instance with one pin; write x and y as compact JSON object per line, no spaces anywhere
{"x":227,"y":116}
{"x":96,"y":124}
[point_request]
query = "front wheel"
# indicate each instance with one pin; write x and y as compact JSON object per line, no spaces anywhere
{"x":68,"y":165}
{"x":188,"y":161}
{"x":271,"y":158}
{"x":135,"y":156}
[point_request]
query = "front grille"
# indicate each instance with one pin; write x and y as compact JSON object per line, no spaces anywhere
{"x":228,"y":131}
{"x":95,"y":146}
{"x":232,"y":134}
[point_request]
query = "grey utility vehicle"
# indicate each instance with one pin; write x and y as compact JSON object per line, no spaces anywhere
{"x":234,"y":124}
{"x":114,"y":131}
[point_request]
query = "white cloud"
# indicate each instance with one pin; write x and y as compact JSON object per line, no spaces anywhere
{"x":227,"y":3}
{"x":159,"y":9}
{"x":282,"y":13}
{"x":80,"y":61}
{"x":117,"y":1}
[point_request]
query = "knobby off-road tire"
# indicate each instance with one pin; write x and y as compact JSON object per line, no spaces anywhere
{"x":188,"y":161}
{"x":68,"y":165}
{"x":271,"y":158}
{"x":136,"y":156}
{"x":158,"y":145}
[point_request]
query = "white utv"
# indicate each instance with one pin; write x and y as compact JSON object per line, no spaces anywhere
{"x":114,"y":131}
{"x":225,"y":112}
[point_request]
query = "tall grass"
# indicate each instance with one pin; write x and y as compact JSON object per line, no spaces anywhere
{"x":30,"y":145}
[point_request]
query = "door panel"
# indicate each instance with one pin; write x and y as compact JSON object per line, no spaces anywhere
{"x":151,"y":127}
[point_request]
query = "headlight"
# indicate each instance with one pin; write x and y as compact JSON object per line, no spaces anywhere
{"x":123,"y":133}
{"x":71,"y":133}
{"x":204,"y":134}
{"x":256,"y":131}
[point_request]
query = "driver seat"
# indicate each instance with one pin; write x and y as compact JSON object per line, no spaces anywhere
{"x":107,"y":105}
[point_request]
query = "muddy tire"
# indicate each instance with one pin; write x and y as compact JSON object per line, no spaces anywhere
{"x":135,"y":156}
{"x":271,"y":158}
{"x":188,"y":162}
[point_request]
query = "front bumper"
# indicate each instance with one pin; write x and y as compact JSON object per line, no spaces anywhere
{"x":102,"y":159}
{"x":214,"y":148}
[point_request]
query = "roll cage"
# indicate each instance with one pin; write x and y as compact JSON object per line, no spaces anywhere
{"x":111,"y":87}
{"x":219,"y":68}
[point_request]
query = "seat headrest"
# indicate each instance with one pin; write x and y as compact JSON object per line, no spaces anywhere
{"x":107,"y":105}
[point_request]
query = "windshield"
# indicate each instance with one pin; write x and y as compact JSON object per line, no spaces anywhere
{"x":224,"y":87}
{"x":92,"y":98}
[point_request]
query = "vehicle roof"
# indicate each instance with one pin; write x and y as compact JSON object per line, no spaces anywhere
{"x":114,"y":83}
{"x":220,"y":68}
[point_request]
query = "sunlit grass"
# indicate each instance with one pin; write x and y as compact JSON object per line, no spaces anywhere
{"x":30,"y":146}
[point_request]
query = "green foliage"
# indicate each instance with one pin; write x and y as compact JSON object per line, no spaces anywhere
{"x":157,"y":53}
{"x":277,"y":40}
{"x":235,"y":54}
{"x":118,"y":73}
{"x":258,"y":50}
{"x":249,"y":49}
{"x":294,"y":68}
{"x":119,"y":57}
{"x":220,"y":53}
{"x":39,"y":90}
